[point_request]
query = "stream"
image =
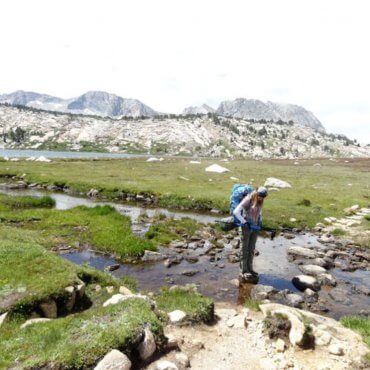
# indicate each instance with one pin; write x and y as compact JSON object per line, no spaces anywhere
{"x":213,"y":278}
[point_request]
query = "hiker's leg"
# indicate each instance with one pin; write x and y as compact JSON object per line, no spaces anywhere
{"x":251,"y":247}
{"x":244,"y":233}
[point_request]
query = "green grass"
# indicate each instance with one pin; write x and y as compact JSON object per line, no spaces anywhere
{"x":29,"y":273}
{"x":77,"y":341}
{"x":338,"y":232}
{"x":163,"y":231}
{"x":253,"y":304}
{"x":101,"y":227}
{"x":325,"y":187}
{"x":15,"y":202}
{"x":196,"y":307}
{"x":361,"y":325}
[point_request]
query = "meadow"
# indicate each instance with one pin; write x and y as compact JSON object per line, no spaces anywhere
{"x":320,"y":188}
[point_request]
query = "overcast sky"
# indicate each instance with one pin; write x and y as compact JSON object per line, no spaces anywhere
{"x":174,"y":53}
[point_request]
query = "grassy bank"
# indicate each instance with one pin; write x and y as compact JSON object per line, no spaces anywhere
{"x":77,"y":341}
{"x":28,"y":273}
{"x":101,"y":227}
{"x":317,"y":191}
{"x":196,"y":307}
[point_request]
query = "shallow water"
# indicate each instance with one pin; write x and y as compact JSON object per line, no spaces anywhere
{"x":26,"y":153}
{"x":64,"y":201}
{"x":213,"y":279}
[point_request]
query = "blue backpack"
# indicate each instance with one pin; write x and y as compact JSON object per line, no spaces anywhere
{"x":238,"y":192}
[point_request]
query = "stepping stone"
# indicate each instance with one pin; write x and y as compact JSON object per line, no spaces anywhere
{"x":302,"y":282}
{"x":313,"y":270}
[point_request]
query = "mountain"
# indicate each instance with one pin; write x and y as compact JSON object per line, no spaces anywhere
{"x":98,"y":103}
{"x":208,"y":136}
{"x":258,"y":110}
{"x":104,"y":104}
{"x":203,"y":109}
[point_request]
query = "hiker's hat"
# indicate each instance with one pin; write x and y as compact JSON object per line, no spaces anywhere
{"x":262,"y":192}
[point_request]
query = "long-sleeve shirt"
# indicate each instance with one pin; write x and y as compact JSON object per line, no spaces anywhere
{"x":245,"y":212}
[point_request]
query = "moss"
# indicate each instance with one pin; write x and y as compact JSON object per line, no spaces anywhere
{"x":196,"y":307}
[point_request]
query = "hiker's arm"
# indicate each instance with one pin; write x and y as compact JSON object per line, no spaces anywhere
{"x":238,"y":213}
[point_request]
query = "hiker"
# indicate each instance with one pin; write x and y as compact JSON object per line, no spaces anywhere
{"x":249,"y":213}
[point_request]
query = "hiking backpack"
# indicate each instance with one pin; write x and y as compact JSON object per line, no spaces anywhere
{"x":238,"y":192}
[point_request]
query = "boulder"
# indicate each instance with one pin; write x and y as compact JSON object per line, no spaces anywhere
{"x":3,"y":317}
{"x":147,"y":347}
{"x":42,"y":159}
{"x":322,"y":262}
{"x":297,"y":251}
{"x":336,"y":349}
{"x":92,"y":193}
{"x":164,"y":365}
{"x":322,"y":338}
{"x":313,"y":270}
{"x":182,"y":360}
{"x":352,"y":210}
{"x":176,"y":316}
{"x":280,"y":345}
{"x":326,"y":279}
{"x":303,"y":282}
{"x":262,"y":292}
{"x":273,"y":182}
{"x":114,"y":360}
{"x":125,"y":291}
{"x":294,"y":300}
{"x":117,"y":298}
{"x":34,"y":321}
{"x":216,"y":168}
{"x":150,"y":256}
{"x":49,"y":309}
{"x":71,"y":300}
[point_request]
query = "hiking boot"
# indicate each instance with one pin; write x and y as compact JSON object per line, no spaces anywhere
{"x":248,"y":278}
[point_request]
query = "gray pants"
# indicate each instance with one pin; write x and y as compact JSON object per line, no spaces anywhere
{"x":248,"y":244}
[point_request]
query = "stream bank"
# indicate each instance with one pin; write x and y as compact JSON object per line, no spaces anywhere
{"x":212,"y":265}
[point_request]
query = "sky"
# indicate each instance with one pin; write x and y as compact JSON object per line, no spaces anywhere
{"x":171,"y":54}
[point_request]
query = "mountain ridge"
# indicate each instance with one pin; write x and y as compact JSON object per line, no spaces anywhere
{"x":197,"y":135}
{"x":98,"y":103}
{"x":104,"y":104}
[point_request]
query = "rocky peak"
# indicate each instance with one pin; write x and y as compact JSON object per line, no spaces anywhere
{"x":203,"y":109}
{"x":269,"y":111}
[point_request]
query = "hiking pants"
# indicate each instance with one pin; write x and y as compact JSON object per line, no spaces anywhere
{"x":248,"y":245}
